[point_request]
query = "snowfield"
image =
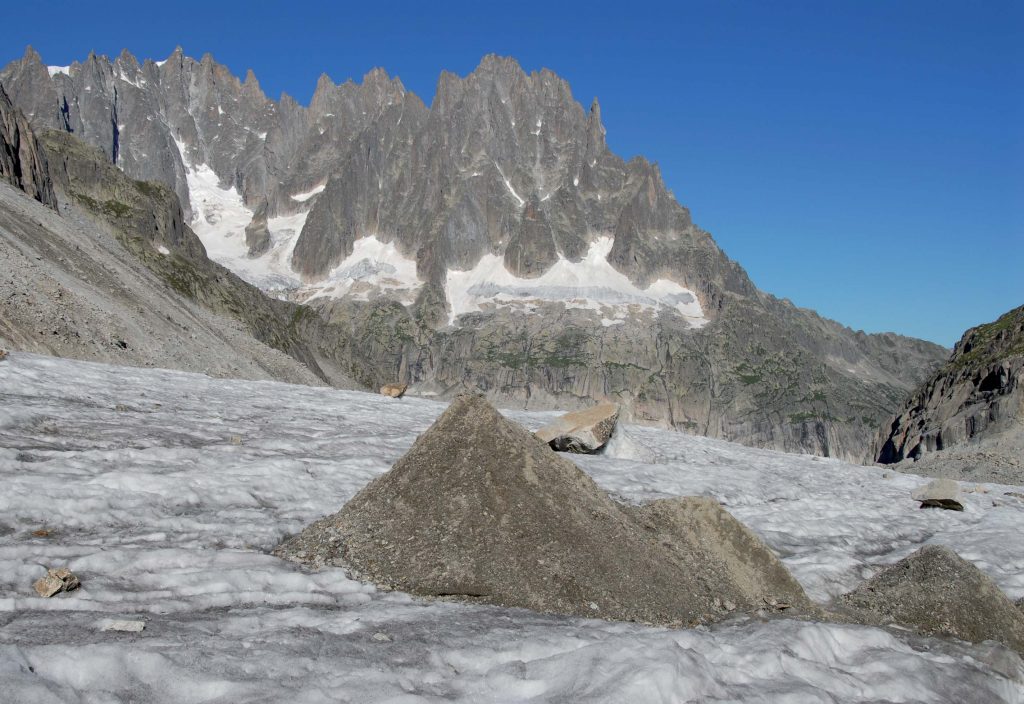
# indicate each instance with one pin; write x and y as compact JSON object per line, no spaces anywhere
{"x":220,"y":217}
{"x":164,"y":492}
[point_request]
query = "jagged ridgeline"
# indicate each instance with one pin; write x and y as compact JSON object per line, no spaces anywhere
{"x":490,"y":241}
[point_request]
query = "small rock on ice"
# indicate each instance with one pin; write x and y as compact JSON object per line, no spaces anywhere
{"x":124,"y":626}
{"x":394,"y":390}
{"x":57,"y":579}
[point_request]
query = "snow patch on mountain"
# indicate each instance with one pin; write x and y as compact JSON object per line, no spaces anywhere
{"x":219,"y":219}
{"x":54,"y":70}
{"x":592,"y":284}
{"x":373,"y":266}
{"x":219,"y":216}
{"x":303,"y":197}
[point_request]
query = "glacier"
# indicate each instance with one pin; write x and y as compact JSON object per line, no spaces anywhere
{"x":165,"y":491}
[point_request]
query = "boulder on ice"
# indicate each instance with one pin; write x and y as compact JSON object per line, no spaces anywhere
{"x":940,"y":493}
{"x":585,"y":431}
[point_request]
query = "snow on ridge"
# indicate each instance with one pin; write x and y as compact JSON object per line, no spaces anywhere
{"x":592,"y":283}
{"x":303,"y":197}
{"x":54,"y":70}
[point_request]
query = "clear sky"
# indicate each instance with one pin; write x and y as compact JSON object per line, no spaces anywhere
{"x":865,"y":159}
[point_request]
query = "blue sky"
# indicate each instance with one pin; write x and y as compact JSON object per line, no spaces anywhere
{"x":865,"y":159}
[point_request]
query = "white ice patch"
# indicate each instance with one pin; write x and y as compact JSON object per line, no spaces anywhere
{"x":54,"y":70}
{"x":373,"y":266}
{"x":167,"y":521}
{"x":303,"y":197}
{"x":219,"y":219}
{"x":592,"y":284}
{"x":219,"y":215}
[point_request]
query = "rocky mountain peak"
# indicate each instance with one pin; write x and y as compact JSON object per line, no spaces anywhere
{"x":31,"y":56}
{"x":127,"y":60}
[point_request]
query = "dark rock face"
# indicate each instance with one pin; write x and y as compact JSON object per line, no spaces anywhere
{"x":257,"y":234}
{"x":976,"y":395}
{"x":504,"y":164}
{"x":480,"y":508}
{"x":936,"y":592}
{"x":22,"y":163}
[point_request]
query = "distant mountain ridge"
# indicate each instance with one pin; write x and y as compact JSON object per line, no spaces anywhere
{"x":489,"y":241}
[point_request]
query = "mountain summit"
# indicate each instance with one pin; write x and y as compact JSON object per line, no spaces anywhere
{"x":489,"y":241}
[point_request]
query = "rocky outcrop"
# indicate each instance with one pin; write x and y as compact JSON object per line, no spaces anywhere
{"x":481,"y":509}
{"x":503,"y":165}
{"x":22,"y":163}
{"x":976,"y":397}
{"x":585,"y":431}
{"x":936,"y":592}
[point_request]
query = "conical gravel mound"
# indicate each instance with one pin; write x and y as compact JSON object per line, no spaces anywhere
{"x":936,"y":592}
{"x":482,"y":509}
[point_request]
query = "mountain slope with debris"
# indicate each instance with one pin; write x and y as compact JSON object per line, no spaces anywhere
{"x":112,"y":273}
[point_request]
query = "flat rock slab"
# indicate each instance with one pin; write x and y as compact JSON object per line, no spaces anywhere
{"x":940,"y":493}
{"x":481,"y":509}
{"x":124,"y":626}
{"x":936,"y":592}
{"x":585,"y":431}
